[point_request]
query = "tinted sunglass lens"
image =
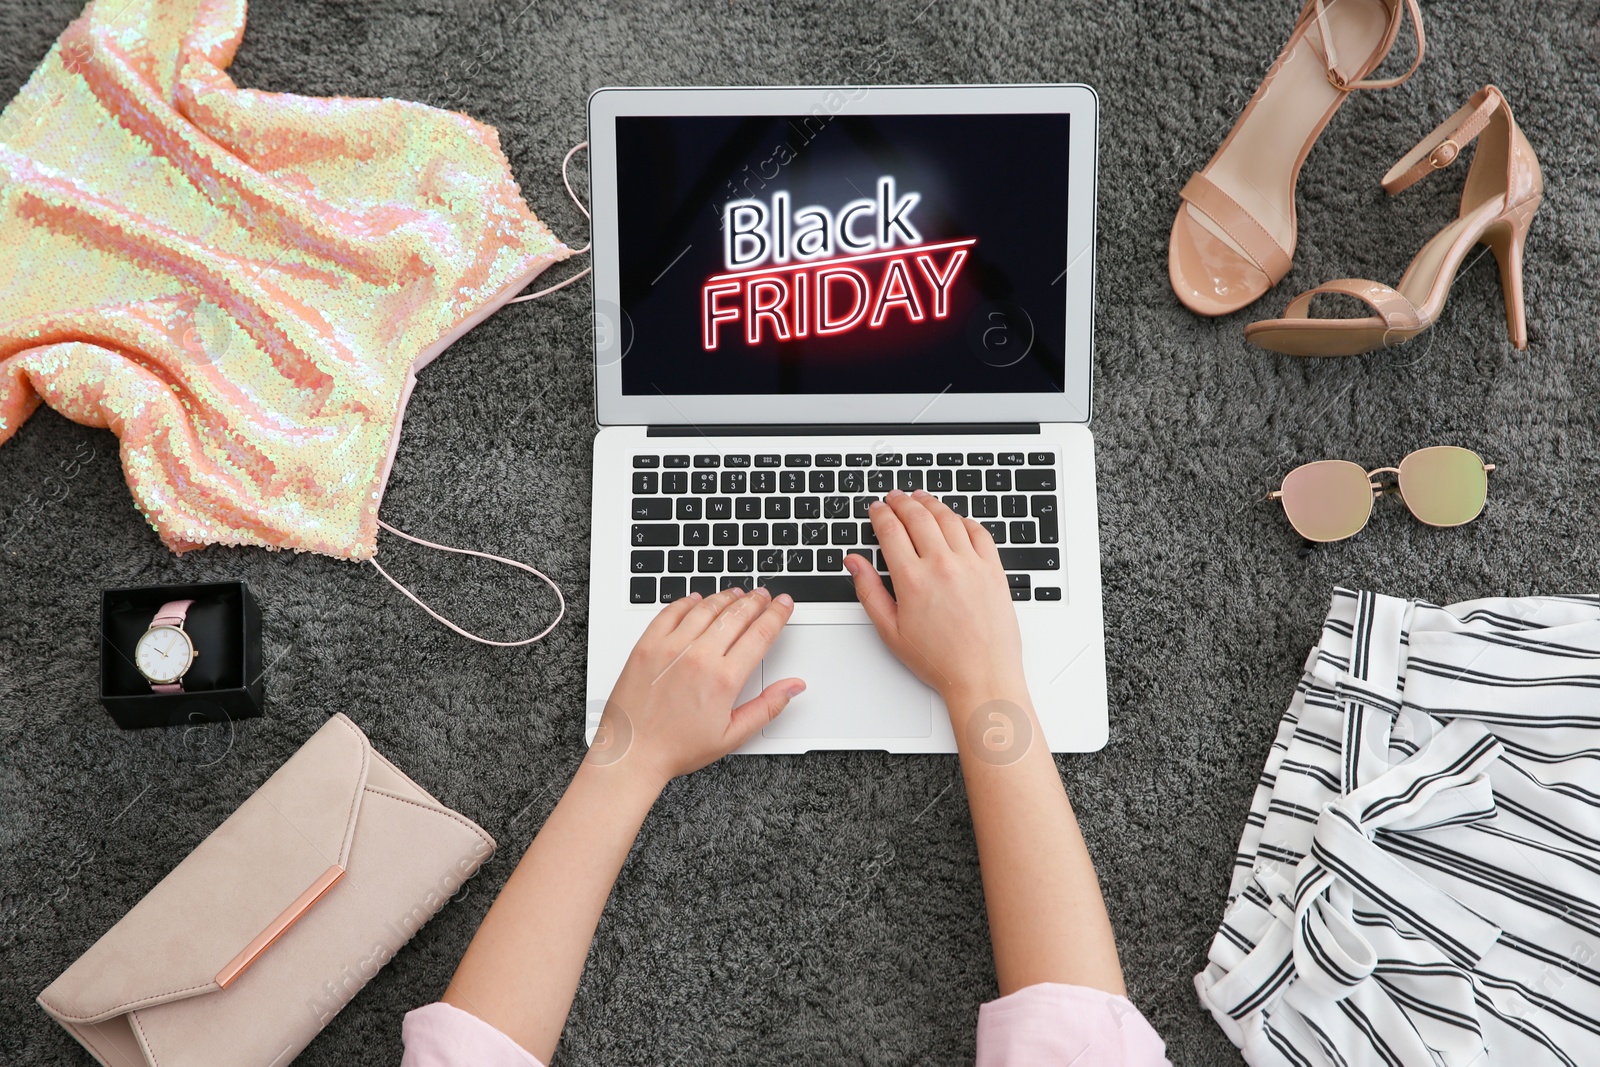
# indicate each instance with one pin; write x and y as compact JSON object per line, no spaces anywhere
{"x":1327,"y":501}
{"x":1444,"y":486}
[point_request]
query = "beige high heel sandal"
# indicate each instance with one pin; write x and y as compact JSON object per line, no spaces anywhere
{"x":1503,"y":190}
{"x":1234,"y":235}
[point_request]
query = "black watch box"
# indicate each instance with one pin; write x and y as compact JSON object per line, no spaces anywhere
{"x":223,"y":683}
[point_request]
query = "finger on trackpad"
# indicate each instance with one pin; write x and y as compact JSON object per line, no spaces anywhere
{"x":854,"y":686}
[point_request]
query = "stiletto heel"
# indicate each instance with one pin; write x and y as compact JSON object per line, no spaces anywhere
{"x":1506,"y":239}
{"x":1503,"y":191}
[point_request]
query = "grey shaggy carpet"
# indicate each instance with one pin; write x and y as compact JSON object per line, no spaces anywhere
{"x":824,"y":909}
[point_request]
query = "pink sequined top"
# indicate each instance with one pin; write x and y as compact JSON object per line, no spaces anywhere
{"x":239,"y":284}
{"x":1045,"y":1025}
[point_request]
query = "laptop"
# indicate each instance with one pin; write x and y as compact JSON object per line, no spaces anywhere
{"x":805,"y":297}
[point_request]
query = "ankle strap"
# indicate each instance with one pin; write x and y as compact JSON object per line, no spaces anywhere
{"x":1337,"y":77}
{"x":1443,"y":146}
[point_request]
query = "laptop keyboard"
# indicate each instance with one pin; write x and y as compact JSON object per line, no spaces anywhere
{"x":705,"y":522}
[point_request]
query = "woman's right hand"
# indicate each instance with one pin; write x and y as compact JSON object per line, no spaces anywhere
{"x":950,"y":619}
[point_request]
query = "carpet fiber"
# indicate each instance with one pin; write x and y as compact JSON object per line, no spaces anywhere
{"x":823,"y":909}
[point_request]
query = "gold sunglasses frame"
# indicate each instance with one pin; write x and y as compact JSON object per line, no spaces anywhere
{"x":1380,"y":489}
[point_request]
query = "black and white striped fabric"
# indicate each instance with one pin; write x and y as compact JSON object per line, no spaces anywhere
{"x":1419,"y":877}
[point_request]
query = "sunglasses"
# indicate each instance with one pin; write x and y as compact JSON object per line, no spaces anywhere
{"x":1331,"y":499}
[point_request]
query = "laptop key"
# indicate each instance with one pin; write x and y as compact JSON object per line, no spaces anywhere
{"x":844,"y":533}
{"x":807,"y":507}
{"x":1023,"y":532}
{"x":647,"y":562}
{"x":769,"y":560}
{"x":830,"y":559}
{"x":919,"y":459}
{"x":997,"y":481}
{"x":736,"y":461}
{"x":792,"y":482}
{"x":908,"y":481}
{"x":1040,"y":481}
{"x":829,"y":459}
{"x":1011,"y":459}
{"x":642,"y":590}
{"x":858,"y":459}
{"x":796,"y":460}
{"x":680,"y":560}
{"x":862,"y":506}
{"x":703,"y":584}
{"x":958,"y":504}
{"x":777,"y":507}
{"x":1049,"y":531}
{"x":798,"y":560}
{"x":980,"y":459}
{"x":708,"y":461}
{"x":675,"y":461}
{"x":941,"y":481}
{"x":675,"y":482}
{"x":814,"y":533}
{"x":647,"y":461}
{"x":768,"y":459}
{"x":1030,"y":559}
{"x":674,"y":589}
{"x":1013,"y":505}
{"x":880,"y":481}
{"x":864,"y":553}
{"x":655,"y":535}
{"x":836,"y":507}
{"x":652,"y":507}
{"x":705,"y":481}
{"x":1047,"y":592}
{"x":869,"y":536}
{"x":747,"y":507}
{"x":969,"y":481}
{"x":852,"y":481}
{"x":725,"y":533}
{"x":718,"y":507}
{"x":755,"y":533}
{"x":743,"y":581}
{"x":696,"y":533}
{"x":985,"y":507}
{"x":646,"y":482}
{"x":1041,"y":459}
{"x":734,"y":482}
{"x":821,"y":482}
{"x":763,"y":481}
{"x":1021,"y":594}
{"x":1018,"y":581}
{"x":949,"y":459}
{"x":688,"y":507}
{"x":890,"y":459}
{"x":785,"y":533}
{"x":997,"y":530}
{"x":813,"y":588}
{"x":741,"y":560}
{"x":709,"y":560}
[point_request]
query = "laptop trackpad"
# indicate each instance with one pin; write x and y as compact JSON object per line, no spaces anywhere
{"x":854,"y":686}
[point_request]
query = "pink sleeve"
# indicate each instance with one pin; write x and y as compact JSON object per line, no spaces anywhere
{"x":441,"y":1035}
{"x":1052,"y":1024}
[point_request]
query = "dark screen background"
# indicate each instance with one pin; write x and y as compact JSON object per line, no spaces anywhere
{"x":999,"y":178}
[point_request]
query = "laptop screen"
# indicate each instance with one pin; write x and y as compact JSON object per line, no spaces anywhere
{"x":814,"y":254}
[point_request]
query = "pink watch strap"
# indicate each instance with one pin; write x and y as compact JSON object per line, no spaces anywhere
{"x":172,"y":613}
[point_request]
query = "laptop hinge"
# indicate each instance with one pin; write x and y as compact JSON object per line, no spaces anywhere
{"x":873,"y":429}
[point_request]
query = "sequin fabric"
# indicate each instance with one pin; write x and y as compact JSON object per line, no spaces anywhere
{"x":239,"y":284}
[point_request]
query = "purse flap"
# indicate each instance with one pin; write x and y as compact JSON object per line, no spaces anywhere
{"x":225,"y":902}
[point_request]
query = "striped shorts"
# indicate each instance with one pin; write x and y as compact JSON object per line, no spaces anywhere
{"x":1419,"y":878}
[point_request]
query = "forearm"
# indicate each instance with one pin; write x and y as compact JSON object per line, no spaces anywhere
{"x":522,"y":968}
{"x":1047,"y":917}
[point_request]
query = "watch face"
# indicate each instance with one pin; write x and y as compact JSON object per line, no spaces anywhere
{"x":163,"y":654}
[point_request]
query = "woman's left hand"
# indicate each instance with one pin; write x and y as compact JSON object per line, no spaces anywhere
{"x":672,"y":709}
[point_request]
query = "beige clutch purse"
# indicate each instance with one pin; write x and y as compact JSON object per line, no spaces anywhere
{"x":244,"y":952}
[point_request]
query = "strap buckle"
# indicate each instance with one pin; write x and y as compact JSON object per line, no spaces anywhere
{"x":1444,"y":154}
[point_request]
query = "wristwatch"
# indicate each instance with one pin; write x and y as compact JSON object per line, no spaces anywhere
{"x":165,"y":652}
